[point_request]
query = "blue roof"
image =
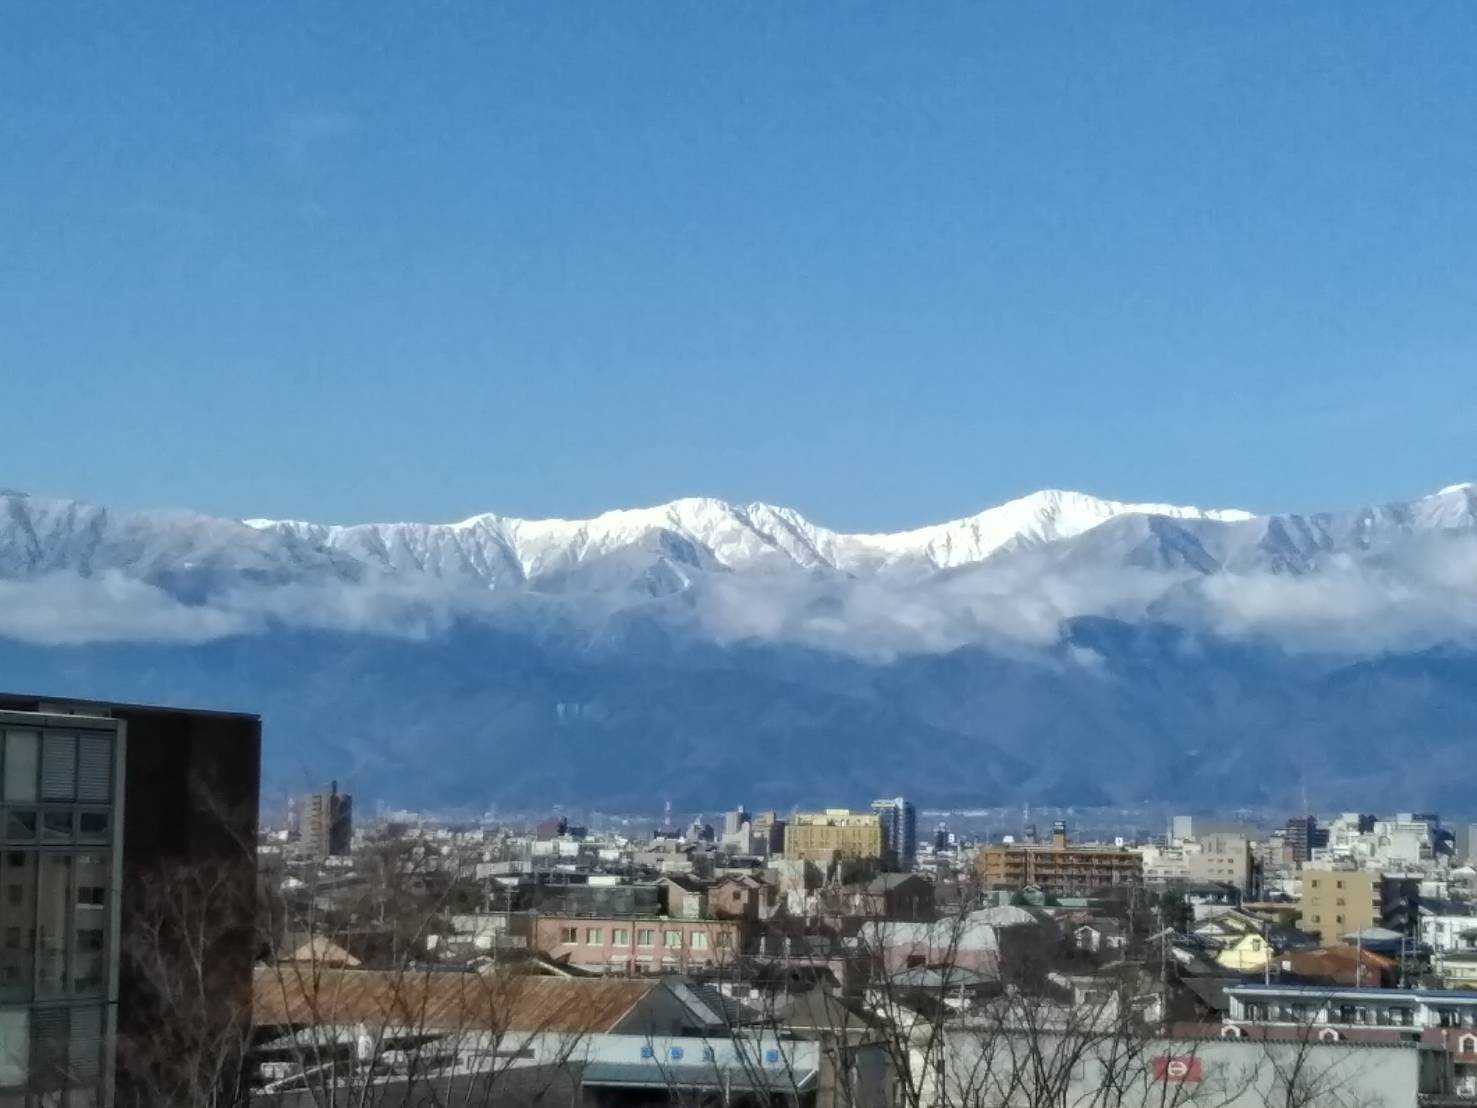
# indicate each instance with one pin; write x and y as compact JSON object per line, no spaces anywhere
{"x":1434,"y":996}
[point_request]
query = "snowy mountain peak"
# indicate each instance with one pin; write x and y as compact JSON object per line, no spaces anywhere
{"x":705,"y":532}
{"x":668,"y":546}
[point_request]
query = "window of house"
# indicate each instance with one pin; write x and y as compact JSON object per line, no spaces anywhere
{"x":570,"y":934}
{"x":594,"y":936}
{"x":620,"y":936}
{"x":698,"y":940}
{"x":671,"y":938}
{"x":645,"y":936}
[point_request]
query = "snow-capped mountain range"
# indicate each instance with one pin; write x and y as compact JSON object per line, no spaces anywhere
{"x":661,"y":548}
{"x":1058,"y":647}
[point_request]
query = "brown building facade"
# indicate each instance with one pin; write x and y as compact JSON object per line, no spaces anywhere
{"x":637,"y":944}
{"x":1058,"y":868}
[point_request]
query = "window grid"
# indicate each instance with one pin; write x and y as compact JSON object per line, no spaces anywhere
{"x":57,"y":904}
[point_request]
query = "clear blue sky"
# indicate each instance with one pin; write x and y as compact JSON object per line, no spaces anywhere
{"x":886,"y":263}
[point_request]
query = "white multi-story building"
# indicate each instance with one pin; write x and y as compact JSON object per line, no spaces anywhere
{"x":1448,"y":933}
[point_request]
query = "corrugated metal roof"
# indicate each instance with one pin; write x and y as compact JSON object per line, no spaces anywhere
{"x":296,"y":994}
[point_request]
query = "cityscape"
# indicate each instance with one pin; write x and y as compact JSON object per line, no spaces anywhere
{"x":162,"y":938}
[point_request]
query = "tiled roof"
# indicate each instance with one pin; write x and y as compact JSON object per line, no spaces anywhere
{"x":293,"y":994}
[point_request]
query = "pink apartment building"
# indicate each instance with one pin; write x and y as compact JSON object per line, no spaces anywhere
{"x":641,"y":944}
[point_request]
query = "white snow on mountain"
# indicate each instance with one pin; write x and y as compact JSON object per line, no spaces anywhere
{"x":713,"y":534}
{"x":757,"y":570}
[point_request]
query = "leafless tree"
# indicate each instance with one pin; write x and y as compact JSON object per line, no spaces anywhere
{"x":383,"y":1025}
{"x":182,"y":951}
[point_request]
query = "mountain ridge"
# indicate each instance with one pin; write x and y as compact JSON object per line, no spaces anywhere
{"x":1058,"y":646}
{"x":701,"y":534}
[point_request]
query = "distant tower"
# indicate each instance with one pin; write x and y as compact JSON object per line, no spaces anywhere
{"x":326,"y":824}
{"x":899,"y":831}
{"x":667,"y":814}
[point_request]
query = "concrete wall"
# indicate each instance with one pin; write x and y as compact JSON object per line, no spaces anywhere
{"x":1223,"y":1073}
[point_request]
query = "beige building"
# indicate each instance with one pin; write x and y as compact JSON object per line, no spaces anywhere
{"x":1336,"y":902}
{"x":1224,"y":858}
{"x":326,"y":828}
{"x":834,"y":835}
{"x":1058,"y":868}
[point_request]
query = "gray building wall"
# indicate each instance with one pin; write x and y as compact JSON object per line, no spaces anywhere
{"x":1231,"y":1073}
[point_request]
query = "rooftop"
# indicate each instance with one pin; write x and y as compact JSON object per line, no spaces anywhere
{"x":1424,"y":996}
{"x":30,"y":702}
{"x":443,"y":1001}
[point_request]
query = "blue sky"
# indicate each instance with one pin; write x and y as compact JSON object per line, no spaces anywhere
{"x":885,"y":263}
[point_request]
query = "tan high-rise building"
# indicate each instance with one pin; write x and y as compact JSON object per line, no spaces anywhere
{"x":1338,"y":902}
{"x":326,"y":827}
{"x":833,"y":835}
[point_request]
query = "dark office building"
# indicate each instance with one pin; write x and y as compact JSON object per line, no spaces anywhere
{"x":899,"y":832}
{"x":104,"y":808}
{"x":1304,"y":836}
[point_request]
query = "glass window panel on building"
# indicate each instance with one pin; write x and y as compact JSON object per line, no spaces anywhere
{"x":58,"y":767}
{"x":57,"y":912}
{"x":17,"y":924}
{"x":53,"y":895}
{"x":21,"y":765}
{"x":90,"y":924}
{"x":15,"y":1046}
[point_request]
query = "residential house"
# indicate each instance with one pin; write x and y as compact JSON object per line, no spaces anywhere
{"x":1242,"y":943}
{"x":742,"y":896}
{"x":897,"y":896}
{"x":1342,"y":965}
{"x":684,"y":896}
{"x":1100,"y":936}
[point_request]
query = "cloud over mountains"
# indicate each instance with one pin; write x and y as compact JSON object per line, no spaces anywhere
{"x":1397,"y":576}
{"x":1055,"y":648}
